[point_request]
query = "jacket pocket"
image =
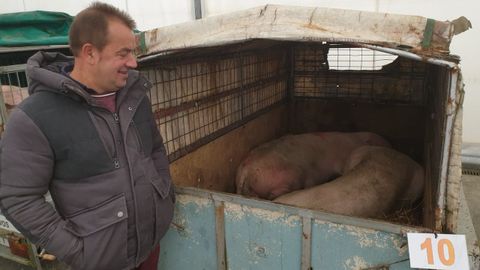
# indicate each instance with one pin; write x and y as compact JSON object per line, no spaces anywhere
{"x":164,"y":199}
{"x":103,"y":229}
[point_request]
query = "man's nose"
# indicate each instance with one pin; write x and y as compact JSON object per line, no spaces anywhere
{"x":132,"y":61}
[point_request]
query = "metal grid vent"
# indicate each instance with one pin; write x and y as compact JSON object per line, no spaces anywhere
{"x":471,"y":171}
{"x":13,"y":81}
{"x":336,"y":71}
{"x":198,"y":99}
{"x":358,"y":59}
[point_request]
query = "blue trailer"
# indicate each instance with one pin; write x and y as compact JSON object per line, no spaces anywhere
{"x":226,"y":84}
{"x":225,"y":231}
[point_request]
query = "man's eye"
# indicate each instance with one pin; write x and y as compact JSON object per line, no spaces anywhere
{"x":124,"y":53}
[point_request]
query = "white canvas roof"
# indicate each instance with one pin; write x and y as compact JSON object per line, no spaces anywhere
{"x":422,"y":36}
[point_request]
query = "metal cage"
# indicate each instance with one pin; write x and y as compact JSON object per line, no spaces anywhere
{"x":198,"y":96}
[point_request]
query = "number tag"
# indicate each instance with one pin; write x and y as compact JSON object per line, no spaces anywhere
{"x":443,"y":251}
{"x":5,"y":224}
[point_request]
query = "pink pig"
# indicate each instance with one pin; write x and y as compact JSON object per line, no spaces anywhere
{"x":295,"y":162}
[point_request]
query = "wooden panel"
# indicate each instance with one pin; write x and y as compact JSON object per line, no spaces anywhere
{"x":214,"y":165}
{"x":403,"y":126}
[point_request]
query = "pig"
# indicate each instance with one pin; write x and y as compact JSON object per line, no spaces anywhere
{"x":13,"y":95}
{"x":376,"y":182}
{"x":295,"y":162}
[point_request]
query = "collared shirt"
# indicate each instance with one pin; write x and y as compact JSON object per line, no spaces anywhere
{"x":107,"y":100}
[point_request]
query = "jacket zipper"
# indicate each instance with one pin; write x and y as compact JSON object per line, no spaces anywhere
{"x":116,"y":161}
{"x":115,"y":117}
{"x":140,"y":143}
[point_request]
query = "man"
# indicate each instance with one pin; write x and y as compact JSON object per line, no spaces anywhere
{"x":87,"y":135}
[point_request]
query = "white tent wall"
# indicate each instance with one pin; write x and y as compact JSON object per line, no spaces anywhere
{"x":155,"y":13}
{"x":147,"y":13}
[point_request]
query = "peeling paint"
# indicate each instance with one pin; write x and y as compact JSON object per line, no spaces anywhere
{"x":369,"y":238}
{"x":366,"y":239}
{"x":189,"y":199}
{"x":237,"y":212}
{"x":179,"y":224}
{"x":355,"y":263}
{"x":400,"y":244}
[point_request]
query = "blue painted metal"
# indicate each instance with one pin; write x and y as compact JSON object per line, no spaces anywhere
{"x":190,"y":242}
{"x":264,"y":235}
{"x":337,"y":246}
{"x":262,"y":239}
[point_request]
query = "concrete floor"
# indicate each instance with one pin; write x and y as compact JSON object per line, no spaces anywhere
{"x":469,"y":217}
{"x":471,"y":189}
{"x":470,"y":203}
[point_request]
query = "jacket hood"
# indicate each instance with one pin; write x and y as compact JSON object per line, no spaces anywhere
{"x":44,"y":73}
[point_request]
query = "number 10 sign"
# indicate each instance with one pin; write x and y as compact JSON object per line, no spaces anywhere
{"x":441,"y":251}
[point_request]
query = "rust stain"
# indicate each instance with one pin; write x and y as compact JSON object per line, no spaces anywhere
{"x":153,"y":36}
{"x":178,"y":226}
{"x":311,"y":16}
{"x":314,"y":27}
{"x":438,"y":219}
{"x":18,"y":245}
{"x":262,"y":11}
{"x":411,"y":28}
{"x":219,"y":210}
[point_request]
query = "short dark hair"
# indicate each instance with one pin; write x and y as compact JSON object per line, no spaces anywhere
{"x":91,"y":25}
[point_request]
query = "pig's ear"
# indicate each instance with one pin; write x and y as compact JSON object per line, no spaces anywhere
{"x":378,"y":141}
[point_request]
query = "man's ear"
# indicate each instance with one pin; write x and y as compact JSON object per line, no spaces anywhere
{"x":89,"y":53}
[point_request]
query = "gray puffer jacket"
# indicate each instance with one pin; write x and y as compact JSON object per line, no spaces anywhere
{"x":107,"y":172}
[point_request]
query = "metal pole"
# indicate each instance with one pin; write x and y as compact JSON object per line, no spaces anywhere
{"x":197,"y":8}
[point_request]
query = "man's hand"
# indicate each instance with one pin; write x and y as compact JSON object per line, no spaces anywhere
{"x":45,"y":256}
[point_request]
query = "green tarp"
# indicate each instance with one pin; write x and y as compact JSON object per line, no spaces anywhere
{"x":34,"y":28}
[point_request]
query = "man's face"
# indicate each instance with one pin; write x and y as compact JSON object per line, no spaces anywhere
{"x":116,"y":58}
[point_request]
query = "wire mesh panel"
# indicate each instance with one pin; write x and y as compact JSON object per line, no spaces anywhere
{"x":13,"y":83}
{"x":337,"y":71}
{"x":196,"y":99}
